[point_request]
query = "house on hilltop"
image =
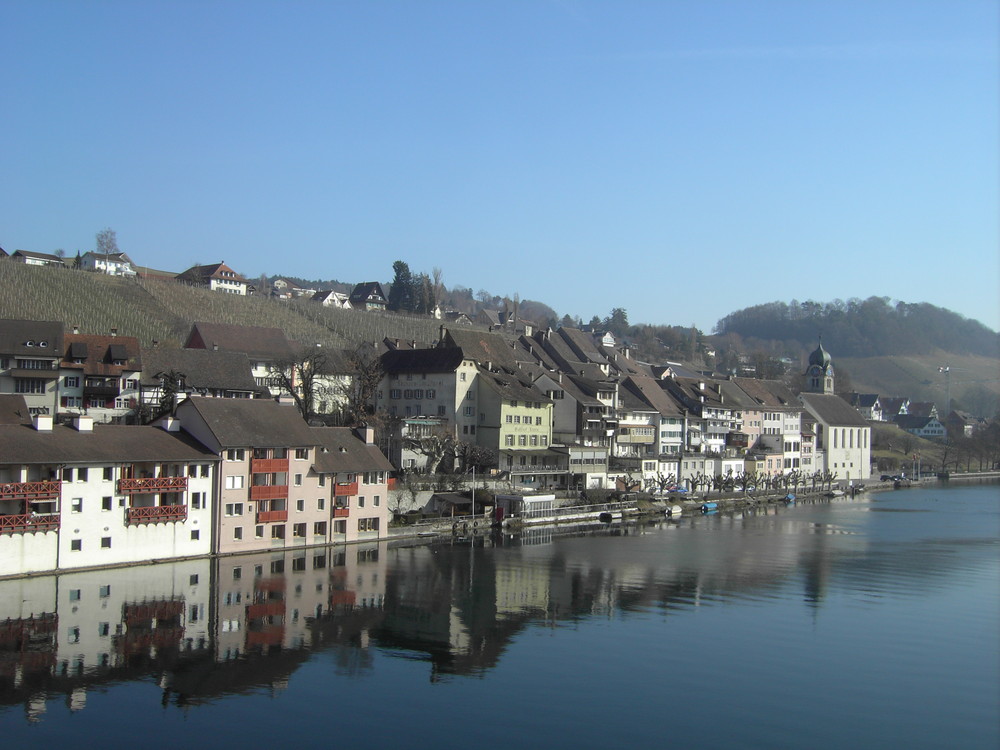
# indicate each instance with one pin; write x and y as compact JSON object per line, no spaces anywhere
{"x":217,"y":277}
{"x":113,"y":264}
{"x":369,"y":295}
{"x":37,"y":259}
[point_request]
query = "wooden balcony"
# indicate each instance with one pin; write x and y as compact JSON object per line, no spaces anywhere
{"x":20,"y":523}
{"x":269,"y":492}
{"x":345,"y":489}
{"x":269,"y":466}
{"x":151,"y":485}
{"x":272,"y":516}
{"x":157,"y":514}
{"x":341,"y":512}
{"x":30,"y":490}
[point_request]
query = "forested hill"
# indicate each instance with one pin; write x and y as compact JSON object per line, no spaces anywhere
{"x":864,"y":328}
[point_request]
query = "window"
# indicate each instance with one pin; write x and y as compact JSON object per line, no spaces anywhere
{"x":237,"y":573}
{"x":340,"y":527}
{"x":76,"y":505}
{"x":237,"y":533}
{"x":508,"y":440}
{"x":394,"y":393}
{"x":107,"y":474}
{"x":198,"y":500}
{"x":76,"y":545}
{"x":195,"y":535}
{"x":259,"y":531}
{"x":29,"y":385}
{"x":298,"y":480}
{"x":301,"y":454}
{"x":81,"y":475}
{"x":235,"y":454}
{"x":298,"y":563}
{"x":193,"y":580}
{"x":105,"y":542}
{"x":67,"y":475}
{"x":320,"y":503}
{"x":234,"y":482}
{"x":367,"y":524}
{"x":376,"y":501}
{"x":461,"y":376}
{"x":106,"y":503}
{"x":319,"y":528}
{"x":234,"y":509}
{"x":469,"y":411}
{"x":300,"y":505}
{"x":522,"y":439}
{"x":278,"y":531}
{"x":361,"y":501}
{"x":538,"y":420}
{"x":71,"y":381}
{"x":104,"y":592}
{"x":104,"y":629}
{"x":299,"y":529}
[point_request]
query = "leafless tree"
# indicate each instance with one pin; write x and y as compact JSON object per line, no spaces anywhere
{"x":107,"y":241}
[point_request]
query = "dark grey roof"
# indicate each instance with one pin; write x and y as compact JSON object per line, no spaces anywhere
{"x":649,"y":391}
{"x":485,"y":348}
{"x":245,"y":423}
{"x":203,"y":369}
{"x":15,"y":335}
{"x":21,"y":444}
{"x":832,"y":410}
{"x":340,"y":450}
{"x":14,"y":410}
{"x":510,"y":387}
{"x":443,"y":359}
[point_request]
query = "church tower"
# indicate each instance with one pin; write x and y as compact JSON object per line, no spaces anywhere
{"x":819,"y":373}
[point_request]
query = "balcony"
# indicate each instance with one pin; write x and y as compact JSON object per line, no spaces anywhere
{"x":341,"y":512}
{"x":345,"y":489}
{"x":272,"y":516}
{"x":157,"y":514}
{"x":152,"y":484}
{"x":20,"y":523}
{"x":101,"y":390}
{"x":269,"y":492}
{"x":391,"y":483}
{"x":272,"y":636}
{"x":269,"y":466}
{"x":30,"y":490}
{"x":266,"y":609}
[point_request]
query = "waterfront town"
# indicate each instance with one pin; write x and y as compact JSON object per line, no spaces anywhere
{"x":113,"y":452}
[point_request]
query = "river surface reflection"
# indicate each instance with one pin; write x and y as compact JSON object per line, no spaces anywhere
{"x":867,"y":622}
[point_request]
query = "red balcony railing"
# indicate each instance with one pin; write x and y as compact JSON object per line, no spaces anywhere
{"x":345,"y":489}
{"x":22,"y":522}
{"x":272,"y":516}
{"x":30,"y":490}
{"x":268,"y":465}
{"x":341,"y":512}
{"x":152,"y":484}
{"x":269,"y":492}
{"x":157,"y":513}
{"x":266,"y":609}
{"x":391,"y":482}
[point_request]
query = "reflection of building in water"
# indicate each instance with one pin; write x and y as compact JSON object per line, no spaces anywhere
{"x":271,"y":601}
{"x":207,"y":627}
{"x":61,"y":634}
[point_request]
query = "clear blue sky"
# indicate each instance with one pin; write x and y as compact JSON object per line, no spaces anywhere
{"x":679,"y":159}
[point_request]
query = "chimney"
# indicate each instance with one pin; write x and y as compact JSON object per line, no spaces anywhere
{"x":215,"y":346}
{"x":170,"y":424}
{"x":701,"y":386}
{"x":367,"y":434}
{"x":76,"y":329}
{"x":114,"y":332}
{"x":83,"y":424}
{"x":156,"y":343}
{"x":42,"y":422}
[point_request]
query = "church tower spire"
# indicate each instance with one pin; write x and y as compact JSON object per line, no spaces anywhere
{"x":819,"y":373}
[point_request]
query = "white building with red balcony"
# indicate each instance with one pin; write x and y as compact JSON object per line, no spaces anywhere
{"x":83,"y":496}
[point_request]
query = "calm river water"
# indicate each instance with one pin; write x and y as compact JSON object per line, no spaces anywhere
{"x":834,"y":624}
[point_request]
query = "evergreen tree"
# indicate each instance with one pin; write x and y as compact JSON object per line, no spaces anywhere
{"x":401,"y":295}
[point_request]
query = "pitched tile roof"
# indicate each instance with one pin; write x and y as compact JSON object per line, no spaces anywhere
{"x":245,"y":423}
{"x":266,"y":343}
{"x":203,"y":369}
{"x":105,"y":444}
{"x":833,"y":410}
{"x":340,"y":450}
